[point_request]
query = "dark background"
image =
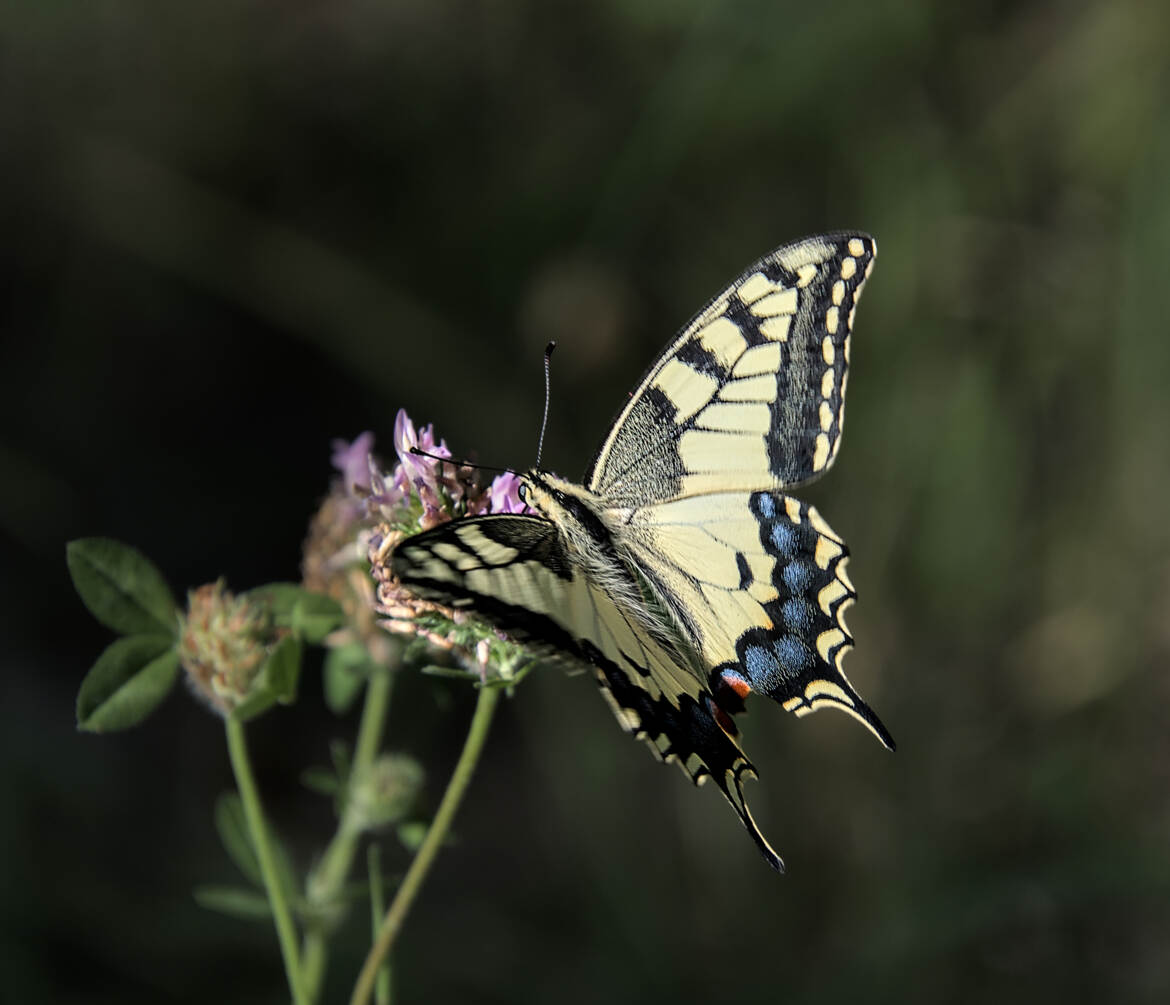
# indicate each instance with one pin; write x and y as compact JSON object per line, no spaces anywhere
{"x":235,"y":230}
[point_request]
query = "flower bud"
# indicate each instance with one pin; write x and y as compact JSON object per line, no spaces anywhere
{"x":224,"y":644}
{"x":384,"y":792}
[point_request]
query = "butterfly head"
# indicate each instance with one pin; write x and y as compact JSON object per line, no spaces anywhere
{"x":554,"y":497}
{"x":577,"y":512}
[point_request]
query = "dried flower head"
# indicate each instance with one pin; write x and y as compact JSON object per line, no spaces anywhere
{"x":225,"y":643}
{"x":335,"y":559}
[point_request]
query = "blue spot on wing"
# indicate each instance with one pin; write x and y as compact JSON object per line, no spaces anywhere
{"x":759,"y":663}
{"x":793,"y":655}
{"x":797,"y":576}
{"x":770,"y":667}
{"x":798,"y":615}
{"x":766,"y":505}
{"x":784,"y":539}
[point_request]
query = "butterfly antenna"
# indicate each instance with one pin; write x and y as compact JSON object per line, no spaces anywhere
{"x":455,"y":461}
{"x":548,"y":351}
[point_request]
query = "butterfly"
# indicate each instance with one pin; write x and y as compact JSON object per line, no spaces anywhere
{"x":680,"y":571}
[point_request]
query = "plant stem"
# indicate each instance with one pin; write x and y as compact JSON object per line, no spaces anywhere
{"x":392,"y":923}
{"x":369,"y":738}
{"x":377,"y":906}
{"x":330,"y":874}
{"x":254,"y":812}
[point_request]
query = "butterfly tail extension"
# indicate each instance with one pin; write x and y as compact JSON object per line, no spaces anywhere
{"x":692,"y":737}
{"x":797,"y":658}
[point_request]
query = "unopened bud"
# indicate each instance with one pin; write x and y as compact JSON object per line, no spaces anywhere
{"x":384,"y":792}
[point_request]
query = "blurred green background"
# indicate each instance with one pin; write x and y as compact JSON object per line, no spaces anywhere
{"x":235,"y":230}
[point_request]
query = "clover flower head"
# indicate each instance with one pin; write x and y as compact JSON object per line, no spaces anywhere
{"x":420,"y":493}
{"x":225,"y":642}
{"x":334,"y":553}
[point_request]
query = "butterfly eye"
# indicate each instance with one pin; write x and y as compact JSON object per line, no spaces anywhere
{"x":522,"y":492}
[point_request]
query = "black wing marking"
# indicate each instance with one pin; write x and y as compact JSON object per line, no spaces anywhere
{"x":751,"y":395}
{"x":511,"y":571}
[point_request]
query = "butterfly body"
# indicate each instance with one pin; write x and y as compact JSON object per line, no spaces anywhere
{"x":680,"y":571}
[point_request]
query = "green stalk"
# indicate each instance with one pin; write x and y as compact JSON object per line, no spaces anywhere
{"x":329,"y":875}
{"x":254,"y":812}
{"x":377,"y":906}
{"x":392,"y":923}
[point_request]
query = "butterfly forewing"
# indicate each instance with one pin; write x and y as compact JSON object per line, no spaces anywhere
{"x":751,"y":395}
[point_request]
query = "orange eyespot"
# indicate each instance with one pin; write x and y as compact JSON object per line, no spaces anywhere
{"x":737,"y":684}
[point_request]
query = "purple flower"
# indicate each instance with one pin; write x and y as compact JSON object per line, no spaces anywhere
{"x":420,"y":470}
{"x":504,"y":494}
{"x":353,"y":461}
{"x":433,"y":481}
{"x":439,"y":486}
{"x":387,"y":490}
{"x":420,"y":493}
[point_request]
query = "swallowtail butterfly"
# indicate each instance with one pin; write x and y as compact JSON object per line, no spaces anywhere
{"x":680,"y":571}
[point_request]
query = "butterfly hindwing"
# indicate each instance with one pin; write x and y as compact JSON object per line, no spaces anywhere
{"x":757,"y":584}
{"x":751,"y":395}
{"x":512,"y":571}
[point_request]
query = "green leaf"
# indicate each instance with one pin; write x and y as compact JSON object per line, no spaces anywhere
{"x":316,"y":617}
{"x":342,"y":758}
{"x":346,"y":670}
{"x":358,"y":891}
{"x":412,"y":833}
{"x":127,"y":683}
{"x":256,"y":704}
{"x":238,"y":901}
{"x":231,"y":822}
{"x":121,"y":587}
{"x":320,"y":780}
{"x":311,"y":616}
{"x":281,"y":598}
{"x":282,"y":669}
{"x":232,"y":825}
{"x":276,"y":682}
{"x":510,"y":682}
{"x":433,"y":670}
